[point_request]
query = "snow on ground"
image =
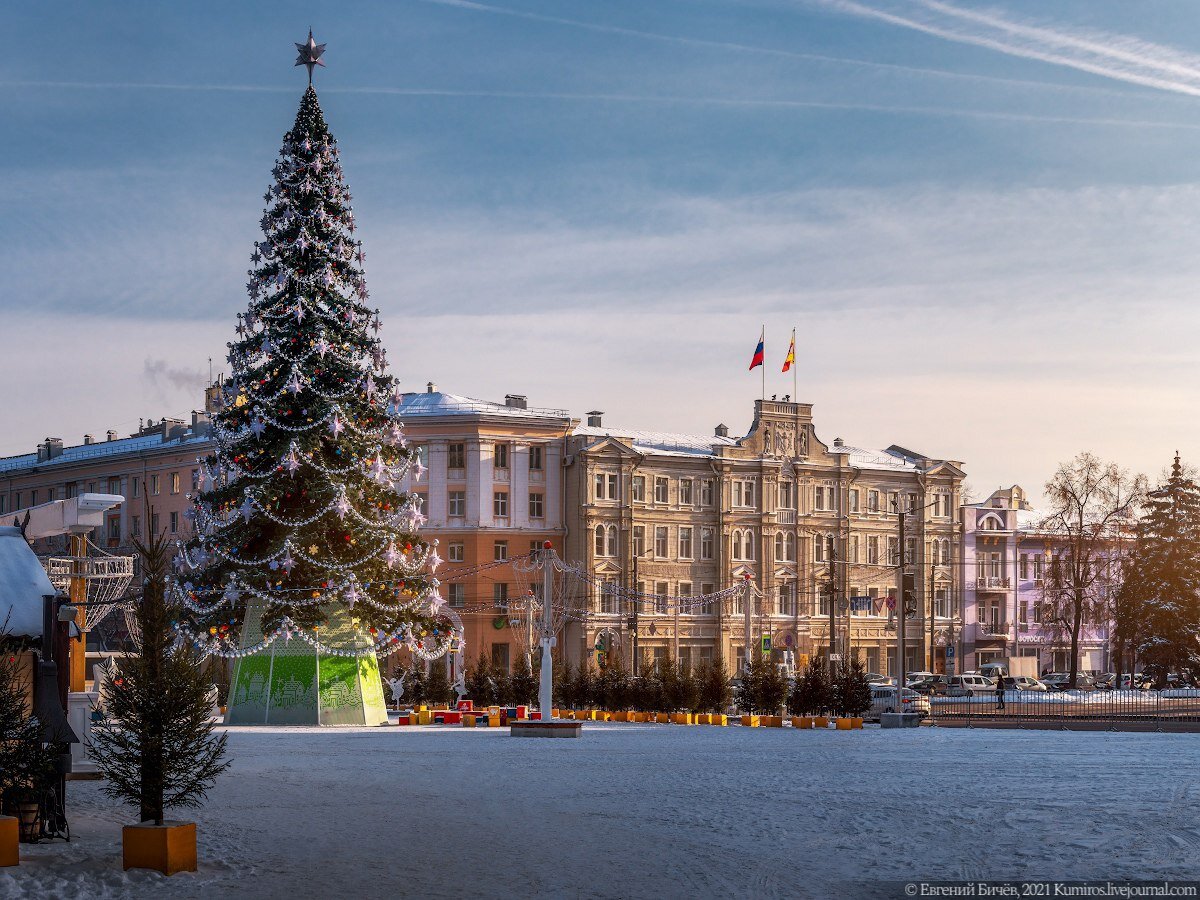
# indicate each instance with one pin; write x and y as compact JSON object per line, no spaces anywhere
{"x":653,"y":811}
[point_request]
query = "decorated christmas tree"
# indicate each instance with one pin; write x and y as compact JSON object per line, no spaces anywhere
{"x":306,"y":560}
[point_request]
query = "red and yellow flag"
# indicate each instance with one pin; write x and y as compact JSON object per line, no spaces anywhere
{"x":791,"y":357}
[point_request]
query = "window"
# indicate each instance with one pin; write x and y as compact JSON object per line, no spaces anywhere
{"x":153,"y":523}
{"x":747,"y":544}
{"x":685,"y":542}
{"x":893,"y":551}
{"x":500,"y":504}
{"x":639,"y":488}
{"x":598,"y":487}
{"x":33,"y":497}
{"x":685,"y":590}
{"x":706,"y":543}
{"x":823,"y":497}
{"x":457,"y":594}
{"x":71,"y":489}
{"x":660,"y":490}
{"x":893,"y":502}
{"x":137,"y":487}
{"x":114,"y":484}
{"x":612,"y":487}
{"x":50,"y":494}
{"x":910,"y":551}
{"x":456,"y":456}
{"x":785,"y":546}
{"x":174,"y":522}
{"x":536,"y":507}
{"x":500,"y":594}
{"x":685,"y":491}
{"x":639,"y":540}
{"x":610,"y":600}
{"x":17,"y":500}
{"x":661,"y":547}
{"x":912,"y":503}
{"x":174,"y":482}
{"x":153,"y":486}
{"x":661,"y":601}
{"x":1024,"y":564}
{"x":605,"y":486}
{"x":535,"y":458}
{"x":873,"y":501}
{"x":743,"y":493}
{"x":534,"y":546}
{"x":707,"y":492}
{"x":454,"y":553}
{"x":114,"y":528}
{"x":598,"y":547}
{"x":786,"y":500}
{"x":821,"y":548}
{"x":1039,"y":561}
{"x":873,"y":550}
{"x":854,"y":500}
{"x":500,"y":456}
{"x":500,"y":550}
{"x":611,"y":542}
{"x":3,"y":507}
{"x":785,"y":599}
{"x":852,"y":549}
{"x":135,"y":526}
{"x":458,"y":504}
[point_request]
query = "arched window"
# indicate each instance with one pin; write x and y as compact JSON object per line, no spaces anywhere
{"x":735,"y":544}
{"x":780,"y":548}
{"x":747,"y":544}
{"x":790,"y":548}
{"x":611,"y":549}
{"x":599,"y":540}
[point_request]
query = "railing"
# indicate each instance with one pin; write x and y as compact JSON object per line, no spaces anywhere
{"x":786,"y":516}
{"x":1176,"y":709}
{"x":991,"y":582}
{"x":993,"y":629}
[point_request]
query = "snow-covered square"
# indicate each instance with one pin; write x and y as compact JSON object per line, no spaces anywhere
{"x":653,"y":811}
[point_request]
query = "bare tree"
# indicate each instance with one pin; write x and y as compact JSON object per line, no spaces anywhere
{"x":1092,"y":506}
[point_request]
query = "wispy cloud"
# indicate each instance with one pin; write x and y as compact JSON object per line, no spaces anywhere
{"x":1116,"y":56}
{"x":757,"y":49}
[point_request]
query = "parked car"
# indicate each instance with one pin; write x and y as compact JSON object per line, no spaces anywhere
{"x":916,"y":676}
{"x":1023,"y":683}
{"x":969,"y":685}
{"x":1059,"y":681}
{"x":933,"y":684}
{"x":883,"y":700}
{"x":876,"y":678}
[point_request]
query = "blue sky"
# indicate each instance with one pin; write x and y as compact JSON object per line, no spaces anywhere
{"x":979,"y":218}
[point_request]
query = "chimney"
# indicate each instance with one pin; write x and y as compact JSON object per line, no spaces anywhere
{"x":837,"y":442}
{"x":54,"y":448}
{"x":594,"y":418}
{"x":201,"y":423}
{"x":172,"y":429}
{"x":516,"y":401}
{"x":430,"y":387}
{"x":112,"y":435}
{"x":721,"y":430}
{"x":88,"y":439}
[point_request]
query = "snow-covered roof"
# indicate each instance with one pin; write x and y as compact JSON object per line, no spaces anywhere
{"x":23,"y":584}
{"x":862,"y":458}
{"x":660,"y":443}
{"x":439,"y":403}
{"x":84,"y":452}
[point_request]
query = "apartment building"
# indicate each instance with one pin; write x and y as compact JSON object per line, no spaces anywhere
{"x":813,"y":525}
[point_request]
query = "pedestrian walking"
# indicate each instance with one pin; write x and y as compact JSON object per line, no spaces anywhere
{"x":999,"y":691}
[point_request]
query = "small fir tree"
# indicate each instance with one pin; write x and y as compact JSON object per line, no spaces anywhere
{"x":772,"y":686}
{"x":687,"y":689}
{"x":564,"y":681}
{"x":715,"y":692}
{"x":155,"y":744}
{"x":414,"y":685}
{"x":501,"y":684}
{"x":810,"y":694}
{"x":479,"y":684}
{"x":524,"y":683}
{"x":668,"y":677}
{"x":26,"y":763}
{"x":857,"y":691}
{"x":438,"y":689}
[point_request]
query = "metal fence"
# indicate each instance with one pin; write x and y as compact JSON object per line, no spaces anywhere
{"x":1169,"y":710}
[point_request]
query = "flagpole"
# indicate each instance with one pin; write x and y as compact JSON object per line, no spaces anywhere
{"x":795,"y":391}
{"x":764,"y":384}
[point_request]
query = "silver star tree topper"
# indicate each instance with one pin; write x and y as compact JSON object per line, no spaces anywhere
{"x":309,"y":54}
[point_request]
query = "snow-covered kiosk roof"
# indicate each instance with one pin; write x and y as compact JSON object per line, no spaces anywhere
{"x":23,"y":584}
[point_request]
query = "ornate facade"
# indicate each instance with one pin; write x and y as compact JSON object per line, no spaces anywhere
{"x":659,"y":517}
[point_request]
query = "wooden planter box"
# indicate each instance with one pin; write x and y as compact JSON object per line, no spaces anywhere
{"x":820,"y":721}
{"x":167,"y":848}
{"x":9,"y":841}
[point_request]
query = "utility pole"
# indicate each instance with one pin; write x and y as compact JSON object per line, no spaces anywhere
{"x":932,"y":611}
{"x":832,"y":603}
{"x":635,"y":603}
{"x":747,"y":603}
{"x":900,"y":642}
{"x":546,"y":687}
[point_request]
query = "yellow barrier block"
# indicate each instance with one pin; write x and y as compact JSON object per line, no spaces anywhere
{"x":494,"y":721}
{"x":701,"y":718}
{"x":750,"y":721}
{"x":820,"y":721}
{"x":774,"y":721}
{"x":719,"y":719}
{"x":662,"y":718}
{"x":9,"y":838}
{"x":424,"y":717}
{"x":843,"y":724}
{"x":468,"y":720}
{"x":857,"y":720}
{"x":556,"y":714}
{"x":802,"y":721}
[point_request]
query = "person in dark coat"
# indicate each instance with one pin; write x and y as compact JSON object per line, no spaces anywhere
{"x":999,"y":691}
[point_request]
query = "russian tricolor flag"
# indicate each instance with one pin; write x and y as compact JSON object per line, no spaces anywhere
{"x":758,"y":351}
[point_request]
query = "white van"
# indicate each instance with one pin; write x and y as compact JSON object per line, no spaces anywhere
{"x":969,"y":686}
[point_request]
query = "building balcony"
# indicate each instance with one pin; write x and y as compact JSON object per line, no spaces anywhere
{"x":992,"y":583}
{"x":785,"y":516}
{"x":991,"y":629}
